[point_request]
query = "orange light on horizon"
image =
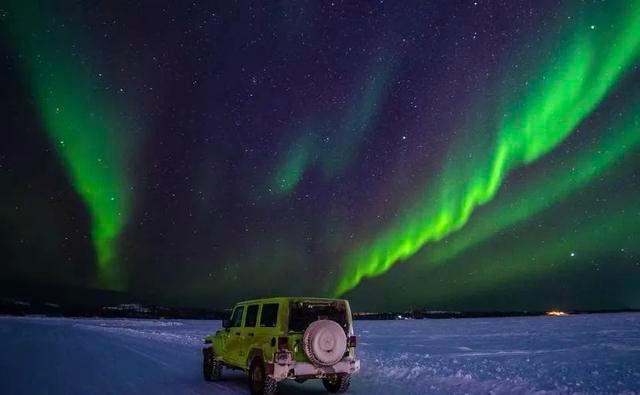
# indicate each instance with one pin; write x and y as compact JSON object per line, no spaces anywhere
{"x":556,"y":313}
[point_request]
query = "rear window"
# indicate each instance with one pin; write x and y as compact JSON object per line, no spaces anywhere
{"x":303,"y":313}
{"x":252,"y":316}
{"x":269,"y":316}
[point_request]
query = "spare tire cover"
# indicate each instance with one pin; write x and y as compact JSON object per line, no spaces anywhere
{"x":324,"y":342}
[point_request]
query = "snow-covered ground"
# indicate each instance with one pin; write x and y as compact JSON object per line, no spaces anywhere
{"x":590,"y":354}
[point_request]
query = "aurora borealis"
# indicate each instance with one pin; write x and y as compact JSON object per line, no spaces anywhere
{"x":536,"y":117}
{"x":83,"y":126}
{"x":455,"y":155}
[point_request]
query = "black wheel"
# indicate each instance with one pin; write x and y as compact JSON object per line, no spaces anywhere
{"x":211,"y":367}
{"x":337,"y":384}
{"x":259,"y":382}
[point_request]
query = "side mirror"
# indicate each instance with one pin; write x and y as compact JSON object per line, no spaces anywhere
{"x":226,"y":323}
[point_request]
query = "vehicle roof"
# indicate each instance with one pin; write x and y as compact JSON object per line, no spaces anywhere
{"x":285,"y":298}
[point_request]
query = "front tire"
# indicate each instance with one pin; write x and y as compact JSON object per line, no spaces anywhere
{"x":259,"y":382}
{"x":338,"y":384}
{"x":211,"y":367}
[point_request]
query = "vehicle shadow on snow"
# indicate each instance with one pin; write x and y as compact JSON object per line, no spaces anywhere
{"x":236,"y":382}
{"x":293,"y":388}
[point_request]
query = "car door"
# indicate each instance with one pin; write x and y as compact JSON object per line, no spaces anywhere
{"x":233,"y":346}
{"x":266,"y":330}
{"x":248,"y":331}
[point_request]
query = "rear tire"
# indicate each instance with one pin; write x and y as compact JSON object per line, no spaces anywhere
{"x":338,"y":384}
{"x":259,"y":382}
{"x":211,"y":367}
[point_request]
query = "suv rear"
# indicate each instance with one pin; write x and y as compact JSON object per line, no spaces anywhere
{"x":285,"y":338}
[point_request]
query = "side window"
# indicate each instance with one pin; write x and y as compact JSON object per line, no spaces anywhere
{"x":236,"y":318}
{"x":269,"y":316}
{"x":252,"y":316}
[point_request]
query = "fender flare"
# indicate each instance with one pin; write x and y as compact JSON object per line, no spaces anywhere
{"x":255,"y":352}
{"x":210,"y":347}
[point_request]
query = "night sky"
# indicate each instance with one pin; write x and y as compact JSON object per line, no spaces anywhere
{"x":445,"y":154}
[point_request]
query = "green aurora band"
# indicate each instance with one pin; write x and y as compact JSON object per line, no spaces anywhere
{"x":329,"y":141}
{"x":553,"y":99}
{"x":88,"y":135}
{"x":524,"y":260}
{"x":553,"y":186}
{"x":600,"y":231}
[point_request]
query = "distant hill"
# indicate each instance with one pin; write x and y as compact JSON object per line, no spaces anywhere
{"x":70,"y":296}
{"x":74,"y":301}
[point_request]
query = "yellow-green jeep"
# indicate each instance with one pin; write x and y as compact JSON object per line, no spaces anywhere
{"x":285,"y":338}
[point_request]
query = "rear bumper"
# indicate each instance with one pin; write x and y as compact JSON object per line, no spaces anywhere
{"x":307,"y":370}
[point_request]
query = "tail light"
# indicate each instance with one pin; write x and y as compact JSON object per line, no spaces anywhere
{"x":283,"y":343}
{"x":352,"y":341}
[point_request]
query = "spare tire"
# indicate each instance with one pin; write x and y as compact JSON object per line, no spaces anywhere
{"x":324,"y":342}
